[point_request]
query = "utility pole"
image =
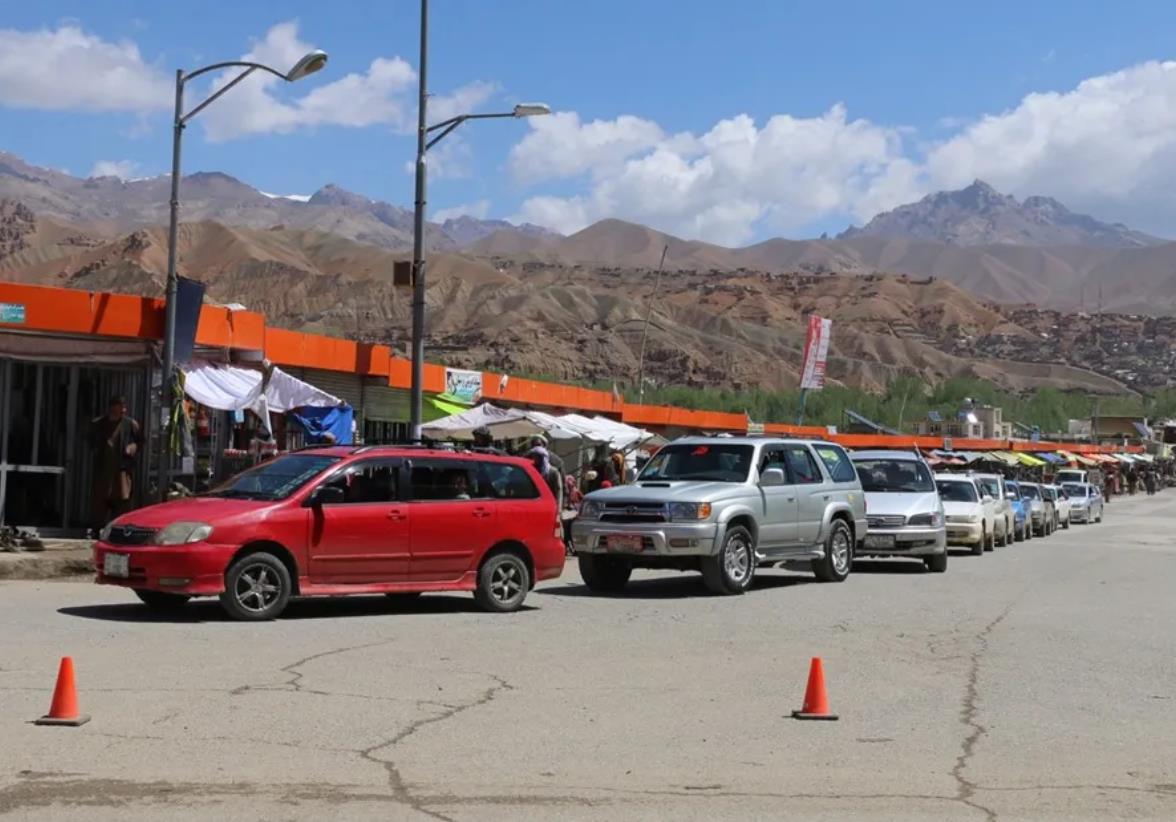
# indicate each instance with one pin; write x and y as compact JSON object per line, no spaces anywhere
{"x":645,"y":328}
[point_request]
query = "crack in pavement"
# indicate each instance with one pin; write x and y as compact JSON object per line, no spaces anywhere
{"x":400,"y":790}
{"x":966,"y":788}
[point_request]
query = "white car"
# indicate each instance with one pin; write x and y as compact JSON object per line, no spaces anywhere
{"x":1062,"y":506}
{"x":1006,"y":522}
{"x":1086,"y":502}
{"x":970,"y":513}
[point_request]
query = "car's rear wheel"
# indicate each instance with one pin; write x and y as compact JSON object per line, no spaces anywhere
{"x":978,"y":548}
{"x":731,"y":569}
{"x":838,"y":560}
{"x":257,"y":587}
{"x":601,"y":573}
{"x":503,"y":583}
{"x":162,"y":600}
{"x":936,"y":563}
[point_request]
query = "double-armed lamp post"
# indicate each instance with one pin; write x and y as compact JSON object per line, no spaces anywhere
{"x":309,"y":64}
{"x":424,"y":143}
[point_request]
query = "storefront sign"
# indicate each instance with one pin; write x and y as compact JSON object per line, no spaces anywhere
{"x":12,"y":313}
{"x":464,"y":385}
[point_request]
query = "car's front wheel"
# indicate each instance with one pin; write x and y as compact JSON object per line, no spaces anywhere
{"x":838,"y":560}
{"x":257,"y":587}
{"x":605,"y":574}
{"x":503,"y":583}
{"x":162,"y":600}
{"x":731,"y":569}
{"x":936,"y":563}
{"x":978,"y":548}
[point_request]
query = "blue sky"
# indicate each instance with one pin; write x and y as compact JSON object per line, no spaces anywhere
{"x":666,"y":107}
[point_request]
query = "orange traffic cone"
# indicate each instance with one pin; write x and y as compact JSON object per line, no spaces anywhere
{"x":816,"y":703}
{"x":64,"y":710}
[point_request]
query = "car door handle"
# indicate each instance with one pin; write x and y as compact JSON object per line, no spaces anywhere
{"x":481,"y":512}
{"x":395,"y":515}
{"x":790,"y":499}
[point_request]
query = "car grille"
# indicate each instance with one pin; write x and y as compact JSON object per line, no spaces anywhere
{"x":634,"y":512}
{"x":130,"y":535}
{"x":886,"y":520}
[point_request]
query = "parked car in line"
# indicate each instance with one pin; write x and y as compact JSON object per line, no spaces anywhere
{"x":725,"y":506}
{"x":1040,"y":520}
{"x":344,"y":520}
{"x":905,"y":514}
{"x":994,"y":486}
{"x":1022,"y":524}
{"x":1062,"y":507}
{"x":1090,"y":476}
{"x":1086,"y":502}
{"x":969,"y":512}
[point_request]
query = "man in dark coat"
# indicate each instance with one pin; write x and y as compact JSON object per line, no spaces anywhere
{"x":116,"y":439}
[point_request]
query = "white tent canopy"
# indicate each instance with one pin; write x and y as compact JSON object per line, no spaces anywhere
{"x":232,"y":388}
{"x":504,"y":423}
{"x":618,"y":435}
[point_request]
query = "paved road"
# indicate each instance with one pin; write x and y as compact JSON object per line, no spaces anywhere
{"x":1034,"y":683}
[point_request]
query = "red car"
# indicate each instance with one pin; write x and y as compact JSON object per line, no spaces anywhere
{"x":344,"y":520}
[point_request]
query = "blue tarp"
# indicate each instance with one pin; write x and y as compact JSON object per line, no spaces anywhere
{"x":318,"y":422}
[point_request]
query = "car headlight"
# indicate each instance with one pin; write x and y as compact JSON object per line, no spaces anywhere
{"x":183,"y":533}
{"x":689,"y":511}
{"x":933,"y":519}
{"x":591,"y":509}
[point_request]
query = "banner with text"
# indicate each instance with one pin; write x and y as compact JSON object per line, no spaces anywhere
{"x":816,"y":352}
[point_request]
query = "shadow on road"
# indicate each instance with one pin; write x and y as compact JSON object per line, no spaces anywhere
{"x":208,"y":610}
{"x":683,"y":587}
{"x":889,"y":566}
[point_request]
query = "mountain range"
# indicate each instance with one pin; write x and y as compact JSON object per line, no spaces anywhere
{"x":908,"y":292}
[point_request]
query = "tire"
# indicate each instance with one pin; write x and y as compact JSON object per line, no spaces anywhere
{"x":162,"y":600}
{"x":1066,"y":524}
{"x":936,"y":563}
{"x":991,"y":546}
{"x":257,"y":588}
{"x":978,"y":548}
{"x":731,"y":569}
{"x":837,"y":562}
{"x":605,"y":574}
{"x":503,"y":583}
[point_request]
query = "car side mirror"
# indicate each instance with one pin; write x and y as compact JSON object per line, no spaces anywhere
{"x":772,"y":477}
{"x":325,"y":495}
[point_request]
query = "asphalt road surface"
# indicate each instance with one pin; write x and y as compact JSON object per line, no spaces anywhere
{"x":1038,"y":682}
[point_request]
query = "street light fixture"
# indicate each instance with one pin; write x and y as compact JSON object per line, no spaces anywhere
{"x":418,"y":233}
{"x":310,"y":63}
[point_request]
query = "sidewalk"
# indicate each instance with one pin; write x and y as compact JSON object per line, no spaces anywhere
{"x":59,"y":559}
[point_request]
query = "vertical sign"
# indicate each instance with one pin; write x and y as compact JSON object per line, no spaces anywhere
{"x":189,"y":300}
{"x":816,"y":352}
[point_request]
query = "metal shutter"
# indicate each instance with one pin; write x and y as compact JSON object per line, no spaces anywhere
{"x":386,"y":404}
{"x":347,"y":387}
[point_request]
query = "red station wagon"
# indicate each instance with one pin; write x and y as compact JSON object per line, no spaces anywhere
{"x":344,"y":520}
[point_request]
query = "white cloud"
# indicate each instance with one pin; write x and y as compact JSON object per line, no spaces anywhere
{"x":67,"y":68}
{"x":721,"y":186}
{"x":123,"y":169}
{"x":478,"y":210}
{"x":381,"y":95}
{"x":1108,"y":147}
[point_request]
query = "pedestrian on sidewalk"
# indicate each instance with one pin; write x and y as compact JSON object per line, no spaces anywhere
{"x":116,"y":439}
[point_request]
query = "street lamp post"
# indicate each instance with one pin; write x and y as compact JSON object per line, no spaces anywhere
{"x":418,"y":235}
{"x":309,"y":64}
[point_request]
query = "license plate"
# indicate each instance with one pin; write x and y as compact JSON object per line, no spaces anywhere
{"x":630,"y":543}
{"x":879,"y":540}
{"x":116,"y":565}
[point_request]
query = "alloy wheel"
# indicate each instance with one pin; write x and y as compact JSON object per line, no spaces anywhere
{"x":737,"y":559}
{"x":839,"y":551}
{"x":506,"y":582}
{"x":257,"y":588}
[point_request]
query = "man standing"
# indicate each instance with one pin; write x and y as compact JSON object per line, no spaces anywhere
{"x":116,"y":439}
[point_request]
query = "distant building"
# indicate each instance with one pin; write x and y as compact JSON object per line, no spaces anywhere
{"x":971,"y":421}
{"x":1121,"y":428}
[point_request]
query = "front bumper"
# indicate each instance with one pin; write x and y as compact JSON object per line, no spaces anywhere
{"x":1079,"y":514}
{"x":666,"y":539}
{"x":965,"y":533}
{"x":197,"y":569}
{"x":908,"y":542}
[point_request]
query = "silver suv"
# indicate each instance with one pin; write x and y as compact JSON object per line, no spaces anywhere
{"x":723,"y":506}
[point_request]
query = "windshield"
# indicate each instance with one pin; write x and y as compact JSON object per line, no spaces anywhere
{"x":991,"y":487}
{"x":1030,"y":492}
{"x":275,"y":479}
{"x":956,"y":491}
{"x":1070,"y":475}
{"x":705,"y":461}
{"x":894,"y":475}
{"x":1075,"y":489}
